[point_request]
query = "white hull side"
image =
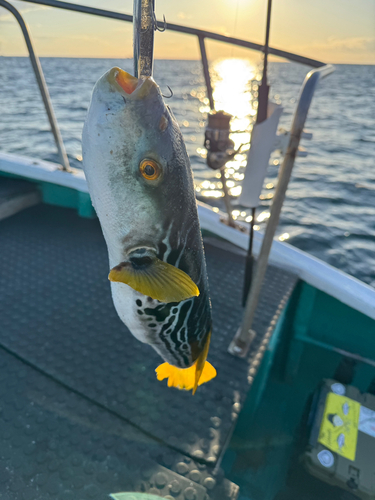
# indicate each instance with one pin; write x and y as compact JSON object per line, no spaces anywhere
{"x":349,"y":290}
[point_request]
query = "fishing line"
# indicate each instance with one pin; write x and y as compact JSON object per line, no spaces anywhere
{"x":235,"y":25}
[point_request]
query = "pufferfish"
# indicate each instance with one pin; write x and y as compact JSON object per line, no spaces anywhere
{"x":141,"y":185}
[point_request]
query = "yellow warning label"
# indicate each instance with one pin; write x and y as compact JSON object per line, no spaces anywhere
{"x":339,"y":428}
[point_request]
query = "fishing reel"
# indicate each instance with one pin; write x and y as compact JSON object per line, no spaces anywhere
{"x":220,"y":149}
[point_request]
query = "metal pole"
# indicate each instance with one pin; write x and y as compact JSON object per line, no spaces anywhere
{"x":143,"y":37}
{"x":41,"y":83}
{"x":242,"y":340}
{"x":206,"y":71}
{"x":263,"y":92}
{"x":264,"y":87}
{"x":227,"y":202}
{"x":249,"y":260}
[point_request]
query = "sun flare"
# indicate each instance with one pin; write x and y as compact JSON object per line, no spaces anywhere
{"x":232,"y":93}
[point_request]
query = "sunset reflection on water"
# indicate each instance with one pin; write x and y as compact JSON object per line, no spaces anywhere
{"x":231,"y":79}
{"x":233,"y":92}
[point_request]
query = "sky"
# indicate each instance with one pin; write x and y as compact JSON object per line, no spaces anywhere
{"x":333,"y":31}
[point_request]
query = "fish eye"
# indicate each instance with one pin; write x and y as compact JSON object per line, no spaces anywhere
{"x":149,"y":169}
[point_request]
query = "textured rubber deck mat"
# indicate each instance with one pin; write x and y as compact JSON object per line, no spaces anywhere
{"x":56,"y":445}
{"x":56,"y":311}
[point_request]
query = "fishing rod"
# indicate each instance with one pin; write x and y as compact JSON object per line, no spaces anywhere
{"x":263,"y":91}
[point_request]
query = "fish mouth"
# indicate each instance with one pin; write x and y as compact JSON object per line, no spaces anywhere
{"x":125,"y":82}
{"x":141,"y":257}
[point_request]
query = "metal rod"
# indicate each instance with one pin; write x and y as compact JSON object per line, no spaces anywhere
{"x":249,"y":260}
{"x":227,"y":202}
{"x":182,"y":29}
{"x":240,"y":343}
{"x":41,"y":83}
{"x":266,"y":43}
{"x":261,"y":117}
{"x":264,"y":87}
{"x":206,"y":71}
{"x":143,"y":37}
{"x":136,"y":38}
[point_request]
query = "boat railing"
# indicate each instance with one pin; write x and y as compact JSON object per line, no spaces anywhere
{"x":242,"y":340}
{"x":200,"y":34}
{"x":41,"y":83}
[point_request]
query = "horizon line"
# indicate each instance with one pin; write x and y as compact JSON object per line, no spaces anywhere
{"x":172,"y":59}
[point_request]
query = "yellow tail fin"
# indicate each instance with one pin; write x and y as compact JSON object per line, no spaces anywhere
{"x":188,"y":378}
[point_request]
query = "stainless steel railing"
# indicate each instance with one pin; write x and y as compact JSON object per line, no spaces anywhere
{"x":241,"y":342}
{"x":201,"y":35}
{"x":41,"y":83}
{"x":182,"y":29}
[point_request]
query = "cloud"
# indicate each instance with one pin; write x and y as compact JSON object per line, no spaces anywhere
{"x":183,"y":15}
{"x":66,"y":39}
{"x":355,"y":44}
{"x":6,"y":16}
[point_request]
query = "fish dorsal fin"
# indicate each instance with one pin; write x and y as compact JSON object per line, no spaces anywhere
{"x":156,"y":279}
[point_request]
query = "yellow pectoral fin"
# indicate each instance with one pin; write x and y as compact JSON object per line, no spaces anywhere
{"x":158,"y":280}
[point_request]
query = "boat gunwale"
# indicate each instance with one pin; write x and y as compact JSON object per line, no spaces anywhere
{"x":330,"y":280}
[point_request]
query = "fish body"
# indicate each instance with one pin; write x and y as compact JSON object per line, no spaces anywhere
{"x":140,"y":181}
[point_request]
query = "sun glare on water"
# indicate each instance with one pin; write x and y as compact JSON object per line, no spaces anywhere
{"x":232,"y":92}
{"x":231,"y":79}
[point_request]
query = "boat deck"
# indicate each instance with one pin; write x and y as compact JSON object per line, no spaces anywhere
{"x":82,"y":411}
{"x":16,"y":195}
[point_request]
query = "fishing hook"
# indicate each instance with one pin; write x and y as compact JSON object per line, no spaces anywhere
{"x":155,"y":23}
{"x":168,"y":96}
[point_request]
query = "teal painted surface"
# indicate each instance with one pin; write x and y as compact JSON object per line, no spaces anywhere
{"x":255,"y":395}
{"x":53,"y":194}
{"x":247,"y":452}
{"x":85,"y":208}
{"x":335,"y":323}
{"x":263,"y":457}
{"x":59,"y":195}
{"x":329,"y":324}
{"x":303,"y":310}
{"x":69,"y":198}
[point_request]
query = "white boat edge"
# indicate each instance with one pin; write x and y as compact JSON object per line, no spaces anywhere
{"x":313,"y":271}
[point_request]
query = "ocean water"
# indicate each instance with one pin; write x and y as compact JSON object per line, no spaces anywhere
{"x":330,"y":205}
